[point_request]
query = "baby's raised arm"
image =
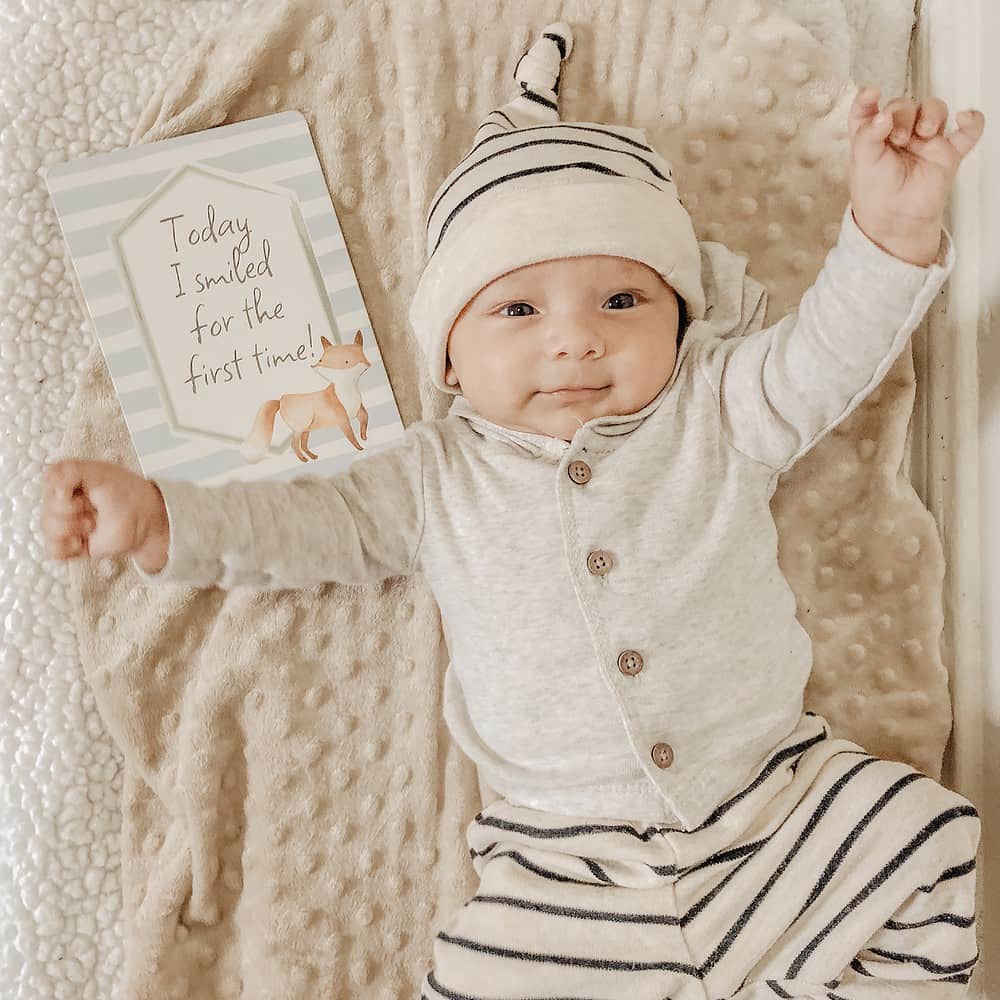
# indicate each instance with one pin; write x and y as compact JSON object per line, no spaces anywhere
{"x":780,"y":389}
{"x":359,"y":526}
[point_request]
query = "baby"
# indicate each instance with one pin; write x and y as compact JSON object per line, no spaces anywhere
{"x":592,"y":516}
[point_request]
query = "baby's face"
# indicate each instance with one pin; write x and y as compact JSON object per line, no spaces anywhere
{"x":607,"y":323}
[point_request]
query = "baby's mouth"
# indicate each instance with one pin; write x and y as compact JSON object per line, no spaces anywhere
{"x":576,"y":390}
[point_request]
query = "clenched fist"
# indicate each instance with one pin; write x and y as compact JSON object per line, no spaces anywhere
{"x":100,"y":509}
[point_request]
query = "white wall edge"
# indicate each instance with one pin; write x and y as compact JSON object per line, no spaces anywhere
{"x":948,"y":61}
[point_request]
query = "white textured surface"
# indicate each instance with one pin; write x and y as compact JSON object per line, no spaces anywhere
{"x":74,"y":78}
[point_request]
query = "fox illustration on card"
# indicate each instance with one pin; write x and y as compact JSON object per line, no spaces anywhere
{"x":342,"y":365}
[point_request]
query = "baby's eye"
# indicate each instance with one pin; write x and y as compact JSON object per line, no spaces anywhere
{"x":511,"y":305}
{"x":619,"y":294}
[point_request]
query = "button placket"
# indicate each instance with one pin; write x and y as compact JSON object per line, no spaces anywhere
{"x":630,"y":662}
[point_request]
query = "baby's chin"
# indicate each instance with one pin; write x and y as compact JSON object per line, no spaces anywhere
{"x":562,"y":415}
{"x":553,"y":415}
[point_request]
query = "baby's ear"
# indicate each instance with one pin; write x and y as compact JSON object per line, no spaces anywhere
{"x":450,"y":376}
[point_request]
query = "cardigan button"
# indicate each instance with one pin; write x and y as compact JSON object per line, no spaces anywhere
{"x":629,"y":662}
{"x":599,"y":562}
{"x":579,"y":472}
{"x":663,"y":754}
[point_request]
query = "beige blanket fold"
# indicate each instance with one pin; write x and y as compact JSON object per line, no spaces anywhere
{"x":294,"y":809}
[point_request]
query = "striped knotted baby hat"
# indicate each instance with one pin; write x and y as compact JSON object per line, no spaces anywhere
{"x":534,"y":188}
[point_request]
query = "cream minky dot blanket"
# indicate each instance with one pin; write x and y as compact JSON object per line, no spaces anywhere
{"x":293,"y":807}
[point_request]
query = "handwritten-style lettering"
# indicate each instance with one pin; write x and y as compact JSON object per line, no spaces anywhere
{"x":227,"y":227}
{"x":212,"y":322}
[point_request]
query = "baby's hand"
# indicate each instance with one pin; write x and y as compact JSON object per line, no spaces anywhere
{"x":902,"y":169}
{"x":102,"y":509}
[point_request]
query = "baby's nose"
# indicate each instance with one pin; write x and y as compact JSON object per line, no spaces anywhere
{"x":577,"y":340}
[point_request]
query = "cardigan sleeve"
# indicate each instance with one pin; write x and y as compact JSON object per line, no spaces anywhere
{"x":780,"y":389}
{"x":359,"y":526}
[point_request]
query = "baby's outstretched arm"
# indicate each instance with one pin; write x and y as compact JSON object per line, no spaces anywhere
{"x":359,"y":526}
{"x":780,"y":389}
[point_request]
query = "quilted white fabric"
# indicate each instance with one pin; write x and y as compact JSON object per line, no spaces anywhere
{"x":74,"y":79}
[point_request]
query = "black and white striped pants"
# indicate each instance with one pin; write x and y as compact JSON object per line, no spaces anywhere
{"x":833,"y":874}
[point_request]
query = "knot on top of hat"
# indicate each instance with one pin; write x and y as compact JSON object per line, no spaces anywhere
{"x":538,"y":70}
{"x":537,"y":73}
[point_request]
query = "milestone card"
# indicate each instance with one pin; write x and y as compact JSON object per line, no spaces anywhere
{"x":223,"y":296}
